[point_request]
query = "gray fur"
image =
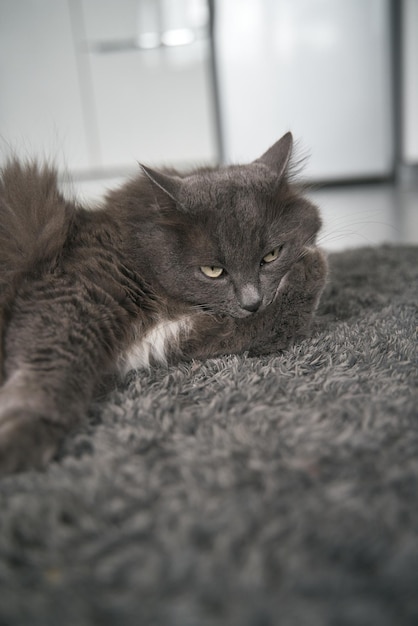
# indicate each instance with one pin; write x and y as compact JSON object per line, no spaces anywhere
{"x":82,"y":292}
{"x":238,"y":491}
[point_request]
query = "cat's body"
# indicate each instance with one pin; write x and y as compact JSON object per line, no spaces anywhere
{"x":172,"y":266}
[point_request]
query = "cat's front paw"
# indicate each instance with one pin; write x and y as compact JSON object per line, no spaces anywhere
{"x":289,"y":317}
{"x":27,"y":440}
{"x":310,"y":272}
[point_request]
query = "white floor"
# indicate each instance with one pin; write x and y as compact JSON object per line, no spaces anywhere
{"x":353,"y":215}
{"x":366,"y":215}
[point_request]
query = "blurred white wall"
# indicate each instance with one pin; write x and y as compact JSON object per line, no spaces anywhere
{"x":98,"y":84}
{"x":321,"y":68}
{"x":41,"y":106}
{"x":410,"y":81}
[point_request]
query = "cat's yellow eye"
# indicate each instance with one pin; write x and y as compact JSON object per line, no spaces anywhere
{"x":211,"y":271}
{"x":271,"y":256}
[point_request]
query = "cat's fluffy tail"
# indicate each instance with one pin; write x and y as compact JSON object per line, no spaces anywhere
{"x":34,"y":218}
{"x":34,"y":223}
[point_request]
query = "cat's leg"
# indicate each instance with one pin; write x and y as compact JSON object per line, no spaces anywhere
{"x":287,"y":319}
{"x":30,"y":429}
{"x":60,"y":339}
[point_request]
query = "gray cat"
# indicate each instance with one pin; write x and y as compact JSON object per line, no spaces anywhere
{"x":171,"y":266}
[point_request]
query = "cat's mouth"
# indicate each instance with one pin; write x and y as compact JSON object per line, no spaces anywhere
{"x":235,"y":314}
{"x":243,"y":314}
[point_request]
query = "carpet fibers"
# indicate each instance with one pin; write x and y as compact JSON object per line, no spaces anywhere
{"x":239,"y":491}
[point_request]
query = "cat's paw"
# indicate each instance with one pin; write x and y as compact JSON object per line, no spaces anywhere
{"x":27,"y":440}
{"x":310,"y":272}
{"x":289,"y":317}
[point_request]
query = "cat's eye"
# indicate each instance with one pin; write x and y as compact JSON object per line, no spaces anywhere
{"x":211,"y":271}
{"x":271,"y":256}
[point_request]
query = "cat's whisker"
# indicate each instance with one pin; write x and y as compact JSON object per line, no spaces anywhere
{"x":341,"y":234}
{"x":359,"y":225}
{"x":203,"y":309}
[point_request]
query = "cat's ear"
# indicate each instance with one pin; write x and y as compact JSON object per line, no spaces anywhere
{"x":171,"y":185}
{"x":277,"y":157}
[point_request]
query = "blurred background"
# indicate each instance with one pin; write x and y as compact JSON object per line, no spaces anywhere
{"x":97,"y":85}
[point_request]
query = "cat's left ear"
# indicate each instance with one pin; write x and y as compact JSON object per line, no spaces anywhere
{"x":277,"y":157}
{"x":171,"y":185}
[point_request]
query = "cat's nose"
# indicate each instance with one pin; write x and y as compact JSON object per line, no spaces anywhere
{"x":252,"y":306}
{"x":250,"y":298}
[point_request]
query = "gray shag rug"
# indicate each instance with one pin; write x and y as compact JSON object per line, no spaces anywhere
{"x":239,"y":491}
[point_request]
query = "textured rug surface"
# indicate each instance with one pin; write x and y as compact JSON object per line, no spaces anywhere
{"x":239,"y":491}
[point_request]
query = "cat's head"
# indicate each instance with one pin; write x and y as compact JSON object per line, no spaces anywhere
{"x":222,"y":239}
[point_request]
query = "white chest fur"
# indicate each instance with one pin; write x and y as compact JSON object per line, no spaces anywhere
{"x":155,"y":345}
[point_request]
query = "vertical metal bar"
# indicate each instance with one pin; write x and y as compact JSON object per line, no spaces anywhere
{"x":215,"y":83}
{"x":396,"y":16}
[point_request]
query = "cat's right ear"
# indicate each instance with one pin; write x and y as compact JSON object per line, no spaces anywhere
{"x":277,"y":157}
{"x":171,"y":185}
